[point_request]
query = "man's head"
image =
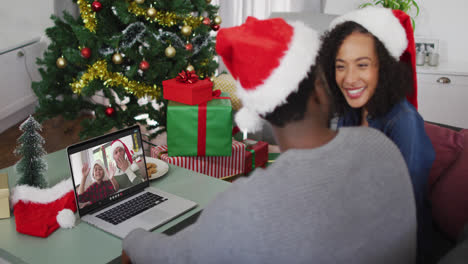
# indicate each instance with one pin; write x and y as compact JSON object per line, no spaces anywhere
{"x":313,"y":87}
{"x":118,"y":150}
{"x":272,"y":60}
{"x":118,"y":153}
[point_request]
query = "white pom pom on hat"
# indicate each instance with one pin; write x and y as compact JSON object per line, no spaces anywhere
{"x":248,"y":120}
{"x":268,"y":58}
{"x":66,"y":218}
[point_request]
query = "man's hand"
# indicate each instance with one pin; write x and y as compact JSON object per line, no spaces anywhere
{"x":125,"y":258}
{"x":122,"y":163}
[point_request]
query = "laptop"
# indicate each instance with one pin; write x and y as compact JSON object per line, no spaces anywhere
{"x":112,"y":188}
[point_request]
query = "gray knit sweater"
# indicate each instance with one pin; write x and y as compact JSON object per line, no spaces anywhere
{"x":349,"y":201}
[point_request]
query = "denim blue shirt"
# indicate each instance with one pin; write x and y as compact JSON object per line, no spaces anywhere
{"x":405,"y":127}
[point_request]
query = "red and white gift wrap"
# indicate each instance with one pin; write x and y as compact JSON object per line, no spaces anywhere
{"x":217,"y":167}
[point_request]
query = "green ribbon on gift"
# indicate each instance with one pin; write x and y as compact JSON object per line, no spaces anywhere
{"x":253,"y":158}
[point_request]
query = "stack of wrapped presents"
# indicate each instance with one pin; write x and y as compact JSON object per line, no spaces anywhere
{"x":200,"y":131}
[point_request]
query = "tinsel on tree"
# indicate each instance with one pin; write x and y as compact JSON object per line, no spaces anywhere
{"x":32,"y":165}
{"x":111,"y":60}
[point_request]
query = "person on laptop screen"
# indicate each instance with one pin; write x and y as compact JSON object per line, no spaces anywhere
{"x":331,"y":196}
{"x":103,"y":185}
{"x":110,"y":160}
{"x":128,"y":173}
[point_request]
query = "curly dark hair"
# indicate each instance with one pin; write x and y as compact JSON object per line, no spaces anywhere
{"x":394,"y":83}
{"x":296,"y":103}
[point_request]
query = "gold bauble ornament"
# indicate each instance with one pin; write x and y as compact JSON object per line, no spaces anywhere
{"x":61,"y":62}
{"x":139,"y":1}
{"x":170,"y":52}
{"x":217,"y":20}
{"x":117,"y":58}
{"x":208,"y":1}
{"x":190,"y":68}
{"x":186,"y":30}
{"x":151,"y":12}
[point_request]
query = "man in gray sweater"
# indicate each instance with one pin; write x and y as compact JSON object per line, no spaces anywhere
{"x":331,"y":197}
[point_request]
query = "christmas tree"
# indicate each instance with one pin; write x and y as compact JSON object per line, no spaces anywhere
{"x":32,"y":166}
{"x":111,"y":60}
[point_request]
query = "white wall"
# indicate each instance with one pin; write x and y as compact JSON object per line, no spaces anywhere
{"x":442,"y":20}
{"x":446,"y":21}
{"x":22,"y":20}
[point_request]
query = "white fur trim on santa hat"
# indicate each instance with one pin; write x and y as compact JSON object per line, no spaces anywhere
{"x":98,"y":162}
{"x":28,"y":193}
{"x":116,"y":144}
{"x":284,"y":79}
{"x":248,"y":120}
{"x":66,"y":218}
{"x":382,"y":23}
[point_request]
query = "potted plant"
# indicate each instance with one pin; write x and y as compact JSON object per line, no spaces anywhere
{"x":403,"y":5}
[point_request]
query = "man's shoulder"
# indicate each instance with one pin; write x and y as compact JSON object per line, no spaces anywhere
{"x":361,"y":136}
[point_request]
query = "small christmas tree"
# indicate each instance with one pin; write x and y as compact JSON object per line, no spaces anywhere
{"x":32,"y":166}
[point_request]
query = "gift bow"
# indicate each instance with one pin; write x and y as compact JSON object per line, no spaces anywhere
{"x":187,"y":77}
{"x":216,"y":93}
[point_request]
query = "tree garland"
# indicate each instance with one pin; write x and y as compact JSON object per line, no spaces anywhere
{"x":99,"y":71}
{"x":88,"y":15}
{"x":166,"y":19}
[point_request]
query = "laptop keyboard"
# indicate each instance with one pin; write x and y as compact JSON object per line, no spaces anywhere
{"x":131,"y":208}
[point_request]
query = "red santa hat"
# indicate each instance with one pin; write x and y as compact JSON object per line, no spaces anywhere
{"x":394,"y":29}
{"x":39,"y":212}
{"x":268,"y":58}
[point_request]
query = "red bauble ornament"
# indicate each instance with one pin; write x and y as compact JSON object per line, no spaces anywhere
{"x":86,"y":53}
{"x":189,"y":46}
{"x":110,"y":111}
{"x":144,"y":65}
{"x":96,"y":6}
{"x":206,"y":21}
{"x":215,"y":27}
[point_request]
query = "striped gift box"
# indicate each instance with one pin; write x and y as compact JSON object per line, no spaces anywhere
{"x":218,"y":167}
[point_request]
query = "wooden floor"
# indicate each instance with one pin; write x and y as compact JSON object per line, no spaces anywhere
{"x":57,"y":132}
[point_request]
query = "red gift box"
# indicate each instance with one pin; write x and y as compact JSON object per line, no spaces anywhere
{"x":214,"y":166}
{"x":256,"y":154}
{"x":194,"y":93}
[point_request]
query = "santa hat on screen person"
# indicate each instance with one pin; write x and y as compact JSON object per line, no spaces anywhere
{"x":268,"y":58}
{"x":119,"y":144}
{"x":99,"y":162}
{"x":394,"y":29}
{"x":39,"y":212}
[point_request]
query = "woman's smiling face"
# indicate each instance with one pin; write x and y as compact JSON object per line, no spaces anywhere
{"x":357,"y":69}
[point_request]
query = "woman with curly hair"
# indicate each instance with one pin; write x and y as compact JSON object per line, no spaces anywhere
{"x":364,"y":57}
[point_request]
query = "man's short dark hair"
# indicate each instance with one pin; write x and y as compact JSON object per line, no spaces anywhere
{"x":394,"y":83}
{"x":296,"y":103}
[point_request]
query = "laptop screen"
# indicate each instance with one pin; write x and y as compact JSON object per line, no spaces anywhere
{"x":107,"y":169}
